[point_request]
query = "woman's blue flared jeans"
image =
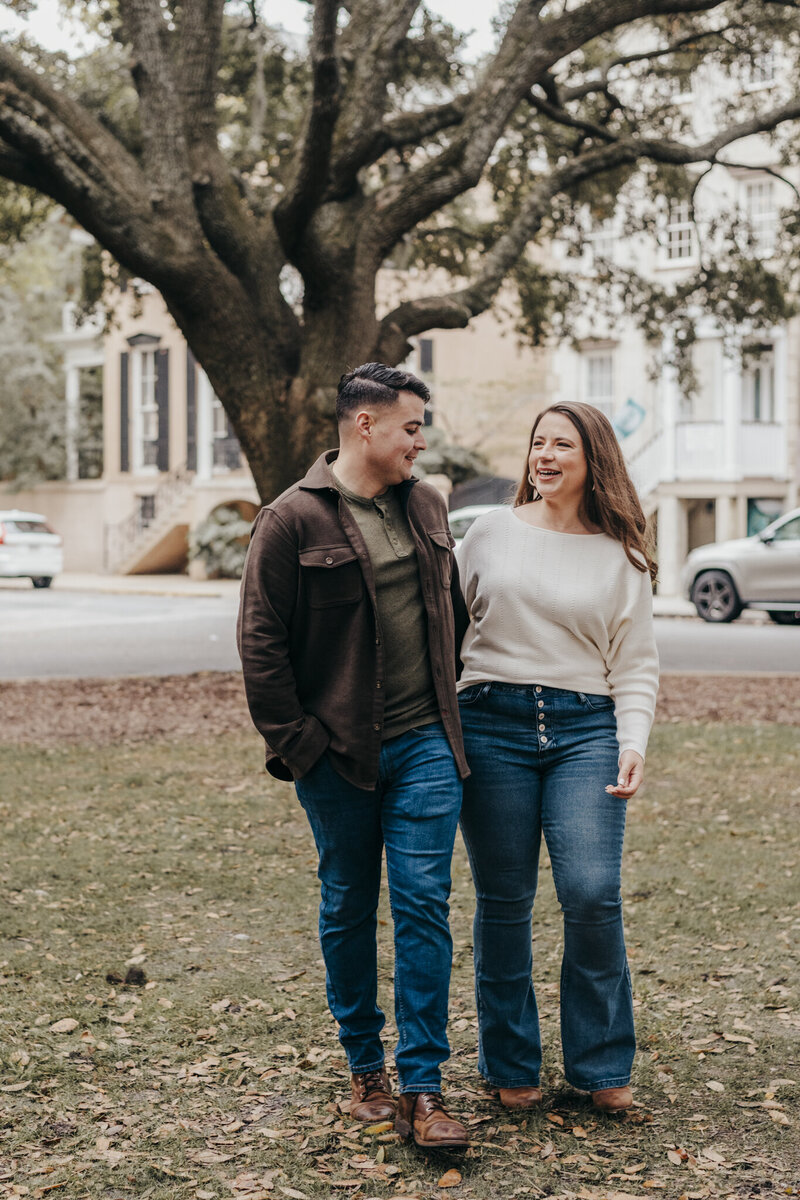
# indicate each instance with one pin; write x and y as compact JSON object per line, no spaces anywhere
{"x":413,"y":812}
{"x":541,"y":758}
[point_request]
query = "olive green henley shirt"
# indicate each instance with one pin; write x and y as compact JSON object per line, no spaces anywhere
{"x":402,"y":619}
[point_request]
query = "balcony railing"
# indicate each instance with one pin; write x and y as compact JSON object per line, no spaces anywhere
{"x":700,"y":450}
{"x":762,"y":450}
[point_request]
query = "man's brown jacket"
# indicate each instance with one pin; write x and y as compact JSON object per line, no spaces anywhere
{"x":308,"y":636}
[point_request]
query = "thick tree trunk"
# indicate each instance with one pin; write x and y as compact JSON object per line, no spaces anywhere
{"x":283,"y":419}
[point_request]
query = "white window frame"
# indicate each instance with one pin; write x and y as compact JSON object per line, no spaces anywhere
{"x":678,"y":243}
{"x":219,"y":418}
{"x":144,"y":416}
{"x":602,"y":241}
{"x":758,"y":389}
{"x":599,"y":380}
{"x":763,"y":70}
{"x":681,"y":88}
{"x":761,"y":212}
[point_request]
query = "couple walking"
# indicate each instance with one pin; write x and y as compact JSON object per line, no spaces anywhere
{"x":352,"y":620}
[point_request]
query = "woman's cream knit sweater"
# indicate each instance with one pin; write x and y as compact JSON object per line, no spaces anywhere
{"x":562,"y":610}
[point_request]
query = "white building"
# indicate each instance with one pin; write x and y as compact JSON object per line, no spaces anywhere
{"x":721,"y":461}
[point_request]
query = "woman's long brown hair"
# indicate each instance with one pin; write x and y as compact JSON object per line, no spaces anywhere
{"x":609,"y":498}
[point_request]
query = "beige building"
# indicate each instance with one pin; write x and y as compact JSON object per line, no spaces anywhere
{"x":171,"y":457}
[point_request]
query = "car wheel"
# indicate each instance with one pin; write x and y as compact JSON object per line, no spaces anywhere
{"x":41,"y":581}
{"x":715,"y":597}
{"x":784,"y":618}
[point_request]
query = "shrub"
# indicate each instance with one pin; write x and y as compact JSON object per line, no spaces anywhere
{"x":220,"y":542}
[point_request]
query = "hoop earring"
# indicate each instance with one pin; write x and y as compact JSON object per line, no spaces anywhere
{"x":535,"y":495}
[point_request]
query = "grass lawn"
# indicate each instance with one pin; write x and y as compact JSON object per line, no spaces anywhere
{"x":214,"y":1071}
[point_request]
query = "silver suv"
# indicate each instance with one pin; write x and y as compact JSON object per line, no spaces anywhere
{"x":762,"y":571}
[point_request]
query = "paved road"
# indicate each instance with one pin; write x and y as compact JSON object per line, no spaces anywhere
{"x":69,"y":634}
{"x":743,"y":646}
{"x":50,"y":633}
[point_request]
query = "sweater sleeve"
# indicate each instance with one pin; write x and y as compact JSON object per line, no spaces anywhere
{"x":632,"y":662}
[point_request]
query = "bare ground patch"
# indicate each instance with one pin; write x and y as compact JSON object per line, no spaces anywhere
{"x":108,"y":711}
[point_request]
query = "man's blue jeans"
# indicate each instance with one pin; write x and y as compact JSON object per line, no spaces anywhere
{"x":541,"y":758}
{"x":414,"y":812}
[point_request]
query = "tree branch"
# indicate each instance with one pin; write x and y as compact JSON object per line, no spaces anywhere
{"x":581,"y":90}
{"x":760,"y":171}
{"x":164,"y":148}
{"x":223,"y":211}
{"x":529,"y":49}
{"x":455,"y":309}
{"x":371,"y":43}
{"x":310,"y":178}
{"x":562,"y":117}
{"x":15,"y":167}
{"x":53,"y":144}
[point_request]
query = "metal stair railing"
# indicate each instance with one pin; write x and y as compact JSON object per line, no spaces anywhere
{"x":123,"y":538}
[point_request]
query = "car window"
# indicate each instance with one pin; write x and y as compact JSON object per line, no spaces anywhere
{"x":788,"y":532}
{"x":30,"y":526}
{"x":460,"y":526}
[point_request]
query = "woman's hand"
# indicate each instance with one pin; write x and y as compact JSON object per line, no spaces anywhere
{"x":629,"y":776}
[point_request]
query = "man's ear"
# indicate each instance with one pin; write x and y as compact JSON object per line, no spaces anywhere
{"x":364,"y":423}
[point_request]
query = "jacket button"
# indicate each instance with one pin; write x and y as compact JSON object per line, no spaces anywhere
{"x":377,"y":728}
{"x":379,"y":683}
{"x":329,"y":561}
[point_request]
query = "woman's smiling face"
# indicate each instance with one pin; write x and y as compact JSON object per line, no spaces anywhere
{"x":557,"y":462}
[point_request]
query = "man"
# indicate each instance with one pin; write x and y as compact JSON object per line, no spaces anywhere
{"x":347,"y":634}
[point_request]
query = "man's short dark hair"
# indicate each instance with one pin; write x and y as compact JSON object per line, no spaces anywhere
{"x":376,"y":385}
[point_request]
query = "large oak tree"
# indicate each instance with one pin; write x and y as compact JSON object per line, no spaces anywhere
{"x":261,"y":189}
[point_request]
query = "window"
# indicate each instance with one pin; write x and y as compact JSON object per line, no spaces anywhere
{"x":679,"y":235}
{"x":680,"y":87}
{"x":600,"y":381}
{"x":148,"y":407}
{"x":147,"y":511}
{"x":225,"y":452}
{"x":602,"y":241}
{"x":219,"y":418}
{"x":425,"y":356}
{"x":758,"y":389}
{"x":762,"y":216}
{"x":762,"y":69}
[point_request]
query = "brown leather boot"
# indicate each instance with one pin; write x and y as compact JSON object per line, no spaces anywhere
{"x":613,"y":1100}
{"x":423,"y":1116}
{"x":371,"y":1097}
{"x":520,"y":1097}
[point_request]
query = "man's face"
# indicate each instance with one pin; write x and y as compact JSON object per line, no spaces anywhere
{"x":396,"y":438}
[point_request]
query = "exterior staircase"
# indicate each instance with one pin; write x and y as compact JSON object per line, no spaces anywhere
{"x":646,"y":466}
{"x":154,"y":535}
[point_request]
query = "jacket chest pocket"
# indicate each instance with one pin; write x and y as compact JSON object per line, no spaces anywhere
{"x":442,"y":547}
{"x":330,"y":575}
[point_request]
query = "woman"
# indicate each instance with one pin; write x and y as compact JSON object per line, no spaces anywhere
{"x":557,"y":698}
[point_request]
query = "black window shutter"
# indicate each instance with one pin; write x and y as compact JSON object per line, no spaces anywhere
{"x":426,"y":355}
{"x":124,"y":433}
{"x":162,"y":402}
{"x":191,"y":410}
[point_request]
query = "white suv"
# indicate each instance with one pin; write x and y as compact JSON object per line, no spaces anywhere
{"x":29,"y":548}
{"x":762,"y":571}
